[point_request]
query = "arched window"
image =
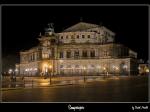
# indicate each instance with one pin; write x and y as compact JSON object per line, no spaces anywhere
{"x":66,"y":36}
{"x":92,"y":53}
{"x":106,"y":53}
{"x":68,"y":54}
{"x":83,"y":36}
{"x":61,"y":55}
{"x":84,"y":53}
{"x":76,"y":54}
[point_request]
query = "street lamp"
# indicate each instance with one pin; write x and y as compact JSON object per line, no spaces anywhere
{"x":116,"y":68}
{"x":147,"y":70}
{"x":10,"y":72}
{"x":45,"y":66}
{"x":16,"y":71}
{"x":50,"y":81}
{"x":104,"y":71}
{"x":84,"y":68}
{"x":25,"y":71}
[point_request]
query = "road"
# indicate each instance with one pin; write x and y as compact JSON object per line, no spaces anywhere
{"x":126,"y":89}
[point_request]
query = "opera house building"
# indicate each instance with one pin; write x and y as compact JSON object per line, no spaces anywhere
{"x":82,"y":48}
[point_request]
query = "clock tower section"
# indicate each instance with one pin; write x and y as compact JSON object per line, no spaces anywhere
{"x":48,"y":43}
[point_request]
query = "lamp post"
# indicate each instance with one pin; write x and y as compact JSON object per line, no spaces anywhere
{"x":104,"y":71}
{"x":45,"y":66}
{"x":16,"y":71}
{"x":50,"y":81}
{"x":116,"y":68}
{"x":84,"y":68}
{"x":10,"y":72}
{"x":139,"y":68}
{"x":27,"y":72}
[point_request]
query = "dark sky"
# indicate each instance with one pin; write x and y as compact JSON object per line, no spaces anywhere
{"x":21,"y":24}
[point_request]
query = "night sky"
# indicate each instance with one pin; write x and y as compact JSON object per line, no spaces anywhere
{"x":21,"y":25}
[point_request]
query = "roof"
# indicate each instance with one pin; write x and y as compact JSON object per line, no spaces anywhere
{"x":80,"y":26}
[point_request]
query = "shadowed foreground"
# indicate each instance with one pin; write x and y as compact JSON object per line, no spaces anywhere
{"x":125,"y":89}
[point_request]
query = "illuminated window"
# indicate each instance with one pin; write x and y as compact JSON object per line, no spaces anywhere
{"x":45,"y":55}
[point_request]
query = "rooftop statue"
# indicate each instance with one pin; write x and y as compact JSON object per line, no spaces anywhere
{"x":50,"y":27}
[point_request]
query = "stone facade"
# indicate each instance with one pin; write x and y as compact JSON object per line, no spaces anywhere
{"x":82,"y":48}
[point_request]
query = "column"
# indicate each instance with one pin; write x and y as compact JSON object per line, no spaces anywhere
{"x":64,"y":53}
{"x":72,"y":53}
{"x":35,"y":56}
{"x":89,"y":53}
{"x":96,"y":52}
{"x":80,"y":53}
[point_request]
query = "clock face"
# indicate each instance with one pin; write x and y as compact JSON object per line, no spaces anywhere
{"x":46,"y":43}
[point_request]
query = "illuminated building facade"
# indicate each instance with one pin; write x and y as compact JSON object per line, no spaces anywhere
{"x":82,"y":48}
